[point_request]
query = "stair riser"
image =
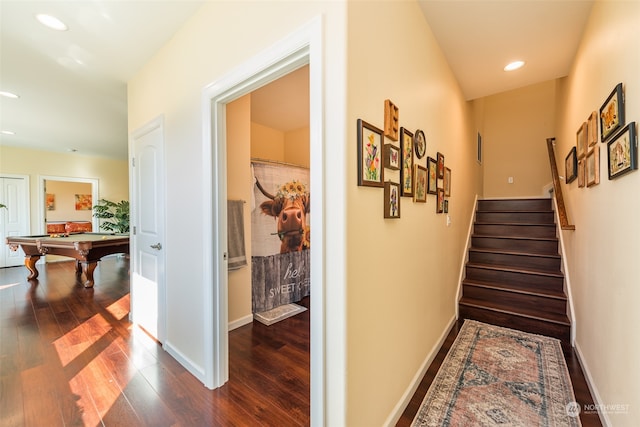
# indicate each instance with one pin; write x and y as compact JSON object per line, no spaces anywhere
{"x":515,"y":230}
{"x":517,"y":245}
{"x":515,"y":205}
{"x":518,"y":280}
{"x":548,"y":264}
{"x":516,"y":217}
{"x":513,"y":301}
{"x":533,"y":326}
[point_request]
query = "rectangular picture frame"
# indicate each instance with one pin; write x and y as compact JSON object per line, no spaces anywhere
{"x":581,"y":172}
{"x":440,"y":201}
{"x":592,"y":128}
{"x":611,"y":113}
{"x":420,"y":184}
{"x":571,"y":166}
{"x":447,"y":182}
{"x":622,"y":152}
{"x":581,"y":140}
{"x":370,"y":162}
{"x":592,"y":167}
{"x":391,"y":200}
{"x":391,"y":157}
{"x":440,"y":159}
{"x":432,"y":171}
{"x":406,"y":159}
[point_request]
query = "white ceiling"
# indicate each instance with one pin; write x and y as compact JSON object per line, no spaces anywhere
{"x":72,"y":84}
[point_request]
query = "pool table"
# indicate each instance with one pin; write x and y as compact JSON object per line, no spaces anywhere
{"x":86,"y":248}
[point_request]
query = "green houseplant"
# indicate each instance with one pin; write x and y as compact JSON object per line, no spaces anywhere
{"x":115,"y":216}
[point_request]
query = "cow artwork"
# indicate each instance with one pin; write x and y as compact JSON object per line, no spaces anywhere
{"x":290,"y":207}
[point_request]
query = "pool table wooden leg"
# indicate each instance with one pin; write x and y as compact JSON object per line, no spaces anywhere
{"x":88,"y":268}
{"x":30,"y":263}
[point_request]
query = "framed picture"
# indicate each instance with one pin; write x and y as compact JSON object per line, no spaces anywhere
{"x":370,"y":163}
{"x":83,"y":202}
{"x":50,"y":201}
{"x":622,"y":152}
{"x":391,"y":157}
{"x":432,"y":171}
{"x":593,"y":167}
{"x":581,"y":172}
{"x":446,"y":206}
{"x":440,"y":157}
{"x":406,"y":169}
{"x":420,"y":143}
{"x":592,"y":128}
{"x":447,"y":182}
{"x":571,"y":166}
{"x":391,"y":120}
{"x":581,"y":140}
{"x":420,"y":184}
{"x":391,"y":200}
{"x":479,"y":159}
{"x":440,"y":204}
{"x":612,"y":113}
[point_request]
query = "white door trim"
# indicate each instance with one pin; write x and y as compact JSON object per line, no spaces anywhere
{"x":42,"y":209}
{"x":302,"y":47}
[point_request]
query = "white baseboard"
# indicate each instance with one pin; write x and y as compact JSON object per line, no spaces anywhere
{"x":592,"y":388}
{"x":241,"y":322}
{"x":395,"y":415}
{"x":196,"y":371}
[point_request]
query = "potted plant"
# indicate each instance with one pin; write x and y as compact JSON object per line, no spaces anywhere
{"x":115,"y":215}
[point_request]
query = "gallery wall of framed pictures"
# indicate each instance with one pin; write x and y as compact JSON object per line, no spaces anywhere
{"x":607,"y":125}
{"x":402,"y":151}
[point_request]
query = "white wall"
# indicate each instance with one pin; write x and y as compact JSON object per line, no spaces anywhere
{"x":603,"y":250}
{"x":220,"y":37}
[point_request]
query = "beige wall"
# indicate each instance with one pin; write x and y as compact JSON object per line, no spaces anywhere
{"x":280,"y":146}
{"x":603,"y":250}
{"x":240,"y":187}
{"x":516,"y":125}
{"x":65,"y":201}
{"x":402,"y":273}
{"x":112,"y":175}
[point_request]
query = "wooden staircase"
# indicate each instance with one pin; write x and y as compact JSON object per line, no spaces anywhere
{"x":513,"y":275}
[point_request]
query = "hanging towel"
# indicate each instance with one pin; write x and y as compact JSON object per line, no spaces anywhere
{"x":235,"y":233}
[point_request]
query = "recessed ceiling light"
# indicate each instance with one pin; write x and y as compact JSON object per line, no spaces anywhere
{"x":8,"y":94}
{"x":514,"y":65}
{"x":51,"y":22}
{"x":7,"y":132}
{"x":72,"y":150}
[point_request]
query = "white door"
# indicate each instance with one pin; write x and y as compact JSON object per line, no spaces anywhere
{"x":147,"y":233}
{"x":14,"y":219}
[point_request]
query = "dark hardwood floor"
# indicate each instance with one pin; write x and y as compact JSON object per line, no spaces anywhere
{"x":70,"y":357}
{"x":580,"y":387}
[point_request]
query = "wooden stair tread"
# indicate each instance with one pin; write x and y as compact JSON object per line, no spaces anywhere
{"x":493,"y":236}
{"x":523,"y":224}
{"x":560,"y":319}
{"x":517,"y":253}
{"x":505,"y":287}
{"x":522,"y":270}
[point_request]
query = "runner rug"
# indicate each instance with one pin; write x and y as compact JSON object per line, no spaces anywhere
{"x":495,"y":376}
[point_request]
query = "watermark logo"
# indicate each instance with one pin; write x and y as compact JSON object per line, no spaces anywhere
{"x":573,"y":409}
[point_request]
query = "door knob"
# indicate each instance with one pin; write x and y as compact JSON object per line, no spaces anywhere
{"x":157,"y":246}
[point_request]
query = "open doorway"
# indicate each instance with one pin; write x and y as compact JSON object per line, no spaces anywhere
{"x":299,"y":49}
{"x":66,"y":199}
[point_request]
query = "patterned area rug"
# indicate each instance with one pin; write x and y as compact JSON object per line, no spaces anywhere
{"x":279,"y":313}
{"x":495,"y":376}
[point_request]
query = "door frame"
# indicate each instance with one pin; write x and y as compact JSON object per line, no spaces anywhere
{"x":42,"y":208}
{"x":300,"y":48}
